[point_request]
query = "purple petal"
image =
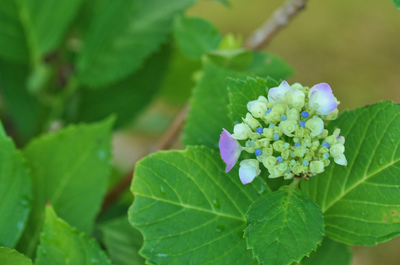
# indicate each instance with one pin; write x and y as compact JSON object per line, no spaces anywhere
{"x":277,"y":94}
{"x":229,"y":149}
{"x":322,"y":99}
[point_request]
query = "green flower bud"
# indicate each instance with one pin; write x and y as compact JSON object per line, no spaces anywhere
{"x":264,"y":142}
{"x":288,"y":176}
{"x":337,"y":150}
{"x":268,"y":133}
{"x":293,"y":114}
{"x":316,"y":126}
{"x":285,"y":154}
{"x":241,"y":131}
{"x":273,"y":117}
{"x":269,"y":162}
{"x":257,"y":108}
{"x":314,"y":145}
{"x":295,"y":98}
{"x":323,"y":150}
{"x":253,"y":123}
{"x":326,"y":162}
{"x":299,"y":132}
{"x":278,"y":145}
{"x":278,"y":170}
{"x":300,"y":151}
{"x":254,"y":135}
{"x":330,"y":140}
{"x":288,"y":127}
{"x":332,"y":116}
{"x":268,"y":151}
{"x":316,"y":167}
{"x":297,"y":168}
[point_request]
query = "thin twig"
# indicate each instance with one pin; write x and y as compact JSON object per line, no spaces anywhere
{"x":165,"y":142}
{"x":281,"y":17}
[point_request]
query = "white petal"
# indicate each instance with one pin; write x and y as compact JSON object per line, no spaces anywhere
{"x":316,"y":125}
{"x":249,"y":169}
{"x":341,"y":160}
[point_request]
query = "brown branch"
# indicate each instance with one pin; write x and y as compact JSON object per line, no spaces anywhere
{"x":165,"y":142}
{"x":281,"y":17}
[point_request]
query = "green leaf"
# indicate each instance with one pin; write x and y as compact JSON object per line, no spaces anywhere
{"x":122,"y":242}
{"x":126,"y":98}
{"x":22,"y":107}
{"x":189,"y":210}
{"x":238,"y":59}
{"x":13,"y":44}
{"x":243,"y":91}
{"x":62,"y":244}
{"x":208,"y":112}
{"x":329,"y":253}
{"x":283,"y":226}
{"x":69,"y":169}
{"x":12,"y":257}
{"x":15,"y":193}
{"x":361,"y":202}
{"x":122,"y":34}
{"x":34,"y":27}
{"x":269,"y":65}
{"x":195,"y":36}
{"x":396,"y":3}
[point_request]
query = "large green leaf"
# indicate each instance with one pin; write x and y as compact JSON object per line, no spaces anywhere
{"x":22,"y":107}
{"x":243,"y":91}
{"x":70,"y":170}
{"x":396,"y":3}
{"x":208,"y":112}
{"x":125,"y":98}
{"x":12,"y":257}
{"x":33,"y":27}
{"x":62,"y":244}
{"x":15,"y":192}
{"x":122,"y":242}
{"x":189,"y":210}
{"x":196,"y":36}
{"x":329,"y":253}
{"x":13,"y":44}
{"x":122,"y":34}
{"x":283,"y":226}
{"x":361,"y":202}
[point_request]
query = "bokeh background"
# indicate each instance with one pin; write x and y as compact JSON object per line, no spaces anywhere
{"x":352,"y":45}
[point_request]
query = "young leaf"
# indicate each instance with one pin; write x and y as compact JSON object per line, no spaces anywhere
{"x":238,"y":59}
{"x":125,"y":98}
{"x":189,"y":210}
{"x":283,"y":226}
{"x":123,"y":242}
{"x":15,"y":192}
{"x":122,"y":34}
{"x":69,"y":169}
{"x":329,"y":253}
{"x":396,"y":3}
{"x":12,"y":257}
{"x":361,"y":202}
{"x":195,"y":36}
{"x":267,"y":64}
{"x":243,"y":91}
{"x":62,"y":244}
{"x":23,"y":108}
{"x":33,"y":27}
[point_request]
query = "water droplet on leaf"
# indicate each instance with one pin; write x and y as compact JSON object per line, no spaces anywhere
{"x":215,"y":202}
{"x":380,"y":161}
{"x":219,"y":228}
{"x":162,"y":190}
{"x":161,"y":255}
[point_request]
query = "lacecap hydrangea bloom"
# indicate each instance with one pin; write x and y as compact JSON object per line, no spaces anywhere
{"x":285,"y":133}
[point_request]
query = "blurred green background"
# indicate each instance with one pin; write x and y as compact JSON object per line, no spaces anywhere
{"x":352,"y":45}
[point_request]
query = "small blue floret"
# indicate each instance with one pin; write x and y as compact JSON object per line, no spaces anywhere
{"x":288,"y":170}
{"x":258,"y":152}
{"x":276,"y":136}
{"x":305,"y":114}
{"x":271,"y":126}
{"x":297,"y":144}
{"x":259,"y":130}
{"x":268,"y":111}
{"x":279,"y":159}
{"x":252,"y":143}
{"x":326,"y":156}
{"x":325,"y":144}
{"x":305,"y":163}
{"x":303,"y":123}
{"x":293,"y":162}
{"x":283,"y":117}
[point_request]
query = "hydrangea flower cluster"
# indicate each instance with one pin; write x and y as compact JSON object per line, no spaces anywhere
{"x":286,"y":134}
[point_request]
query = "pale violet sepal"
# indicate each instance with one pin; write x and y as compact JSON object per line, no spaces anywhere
{"x":249,"y":169}
{"x":229,"y":149}
{"x":241,"y":131}
{"x":316,"y":126}
{"x":321,"y":99}
{"x":277,"y":94}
